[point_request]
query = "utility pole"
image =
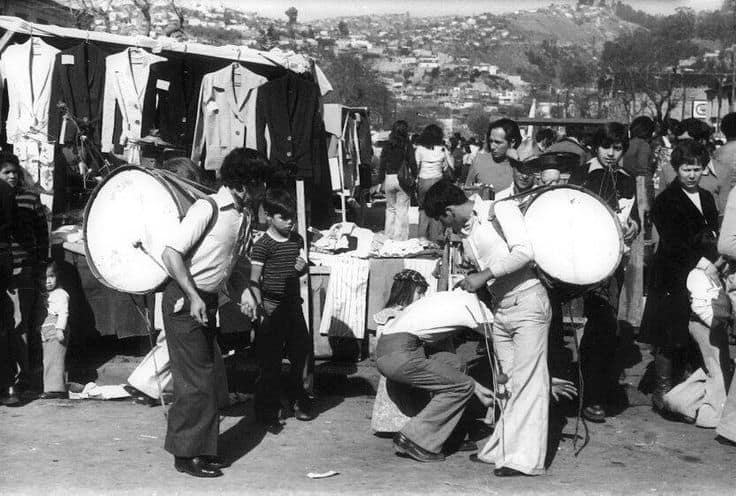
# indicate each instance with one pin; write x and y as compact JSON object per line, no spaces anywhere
{"x":732,"y":106}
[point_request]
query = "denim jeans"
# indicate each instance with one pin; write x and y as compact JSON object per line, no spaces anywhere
{"x":397,"y":209}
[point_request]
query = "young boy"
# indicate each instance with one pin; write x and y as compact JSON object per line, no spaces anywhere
{"x":277,"y":265}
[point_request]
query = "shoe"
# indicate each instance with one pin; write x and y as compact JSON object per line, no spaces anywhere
{"x":274,"y":425}
{"x":474,"y":458}
{"x":507,"y":472}
{"x":196,"y":467}
{"x":10,"y":400}
{"x":408,"y":448}
{"x":53,"y":395}
{"x":467,"y":446}
{"x":594,"y":413}
{"x":303,"y":412}
{"x":215,"y":462}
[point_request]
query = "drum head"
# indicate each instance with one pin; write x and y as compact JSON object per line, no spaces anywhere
{"x":130,"y":210}
{"x":575,"y":236}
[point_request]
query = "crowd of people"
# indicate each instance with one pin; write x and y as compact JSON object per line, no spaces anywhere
{"x":673,"y":175}
{"x":673,"y":179}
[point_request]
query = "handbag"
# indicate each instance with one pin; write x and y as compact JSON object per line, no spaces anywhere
{"x":407,"y":179}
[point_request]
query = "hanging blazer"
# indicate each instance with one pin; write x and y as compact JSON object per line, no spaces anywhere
{"x":28,"y":105}
{"x":289,"y":127}
{"x":78,"y":80}
{"x":225,"y":122}
{"x":122,"y":112}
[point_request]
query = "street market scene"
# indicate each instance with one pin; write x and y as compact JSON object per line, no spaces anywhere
{"x":367,"y":248}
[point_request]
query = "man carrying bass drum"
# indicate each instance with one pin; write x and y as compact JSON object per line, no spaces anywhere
{"x":199,"y":257}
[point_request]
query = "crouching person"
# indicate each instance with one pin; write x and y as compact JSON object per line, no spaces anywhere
{"x":401,"y":358}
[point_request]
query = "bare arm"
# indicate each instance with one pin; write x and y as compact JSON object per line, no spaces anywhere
{"x":174,"y":263}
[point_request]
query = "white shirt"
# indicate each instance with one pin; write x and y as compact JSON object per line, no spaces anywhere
{"x":57,"y":310}
{"x":508,"y":254}
{"x":226,"y":118}
{"x":439,"y":315}
{"x":213,"y":259}
{"x":695,"y":198}
{"x":431,"y":161}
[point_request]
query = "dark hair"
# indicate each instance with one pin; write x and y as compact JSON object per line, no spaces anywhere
{"x":243,"y":166}
{"x":399,"y":135}
{"x":184,"y":168}
{"x":576,"y":131}
{"x":728,"y":126}
{"x":8,"y":158}
{"x":279,"y":201}
{"x":441,"y":195}
{"x":689,"y":151}
{"x":670,"y":125}
{"x":696,"y":129}
{"x":432,"y":135}
{"x":510,"y":128}
{"x":609,"y":134}
{"x":404,"y":286}
{"x":545,"y":134}
{"x":642,"y":127}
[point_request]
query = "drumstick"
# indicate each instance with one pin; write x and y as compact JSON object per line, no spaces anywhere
{"x":139,"y":244}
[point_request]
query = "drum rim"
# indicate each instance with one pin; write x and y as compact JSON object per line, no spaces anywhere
{"x":537,"y":192}
{"x":156,"y":174}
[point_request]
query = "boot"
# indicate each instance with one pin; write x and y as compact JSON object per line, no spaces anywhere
{"x":663,"y":371}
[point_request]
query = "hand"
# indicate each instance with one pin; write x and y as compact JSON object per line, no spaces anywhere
{"x":437,"y":272}
{"x":198,"y":310}
{"x":472,"y":282}
{"x":713,"y":274}
{"x":563,"y":388}
{"x":300,"y":264}
{"x":484,"y":395}
{"x":60,"y":334}
{"x":248,"y":304}
{"x":630,"y":231}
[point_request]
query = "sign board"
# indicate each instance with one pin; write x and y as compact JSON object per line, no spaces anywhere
{"x":700,"y":109}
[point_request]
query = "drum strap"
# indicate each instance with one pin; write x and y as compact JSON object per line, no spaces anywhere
{"x":210,"y":225}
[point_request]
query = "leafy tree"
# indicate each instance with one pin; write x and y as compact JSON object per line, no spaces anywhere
{"x":292,"y":14}
{"x":356,"y":85}
{"x":478,"y":122}
{"x":342,"y":28}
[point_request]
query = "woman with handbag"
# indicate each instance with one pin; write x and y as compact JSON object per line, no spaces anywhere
{"x":433,"y":160}
{"x":398,"y":165}
{"x":687,"y":222}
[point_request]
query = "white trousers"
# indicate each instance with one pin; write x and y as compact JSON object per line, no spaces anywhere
{"x":520,"y":329}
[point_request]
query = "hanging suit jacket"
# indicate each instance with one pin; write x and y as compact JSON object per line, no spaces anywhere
{"x":122,"y":111}
{"x":226,"y":118}
{"x":28,"y":97}
{"x":289,"y":127}
{"x":78,"y":80}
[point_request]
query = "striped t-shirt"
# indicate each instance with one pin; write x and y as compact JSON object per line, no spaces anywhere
{"x":279,"y":279}
{"x":31,"y":234}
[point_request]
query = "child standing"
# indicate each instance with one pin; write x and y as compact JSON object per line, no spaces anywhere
{"x":54,"y":318}
{"x":277,"y":264}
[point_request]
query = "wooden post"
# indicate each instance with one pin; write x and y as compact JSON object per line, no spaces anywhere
{"x":304,"y":286}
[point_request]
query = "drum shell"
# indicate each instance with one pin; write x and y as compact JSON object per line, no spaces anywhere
{"x":569,"y":289}
{"x":136,"y":269}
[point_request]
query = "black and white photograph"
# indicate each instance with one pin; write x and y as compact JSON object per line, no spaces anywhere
{"x":367,"y":247}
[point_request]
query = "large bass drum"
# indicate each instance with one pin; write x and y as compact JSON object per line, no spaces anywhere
{"x":576,"y":237}
{"x":128,"y":220}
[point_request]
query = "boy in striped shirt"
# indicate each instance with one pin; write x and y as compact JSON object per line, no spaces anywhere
{"x":277,"y":263}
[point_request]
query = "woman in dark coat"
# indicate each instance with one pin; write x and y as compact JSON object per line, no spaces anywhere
{"x":686,"y":218}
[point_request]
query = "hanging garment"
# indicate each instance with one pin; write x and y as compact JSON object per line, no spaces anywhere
{"x":168,"y":96}
{"x":226,"y":116}
{"x":78,"y":81}
{"x":289,"y":127}
{"x":346,"y":299}
{"x":126,"y":79}
{"x":37,"y":159}
{"x":26,"y":70}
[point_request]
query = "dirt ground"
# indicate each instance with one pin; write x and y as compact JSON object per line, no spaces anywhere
{"x":103,"y":447}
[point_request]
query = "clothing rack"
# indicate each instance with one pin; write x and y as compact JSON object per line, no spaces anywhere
{"x":15,"y":25}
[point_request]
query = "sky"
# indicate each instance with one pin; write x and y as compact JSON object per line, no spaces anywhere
{"x":316,"y":9}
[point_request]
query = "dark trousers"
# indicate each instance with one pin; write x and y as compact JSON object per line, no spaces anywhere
{"x":282,"y":327}
{"x":599,"y":342}
{"x":193,"y":425}
{"x":6,"y":319}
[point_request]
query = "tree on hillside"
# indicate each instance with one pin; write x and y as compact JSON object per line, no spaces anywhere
{"x":342,"y":28}
{"x":357,"y":85}
{"x":478,"y":122}
{"x":641,"y":63}
{"x":86,"y":11}
{"x":144,"y":7}
{"x":292,"y":13}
